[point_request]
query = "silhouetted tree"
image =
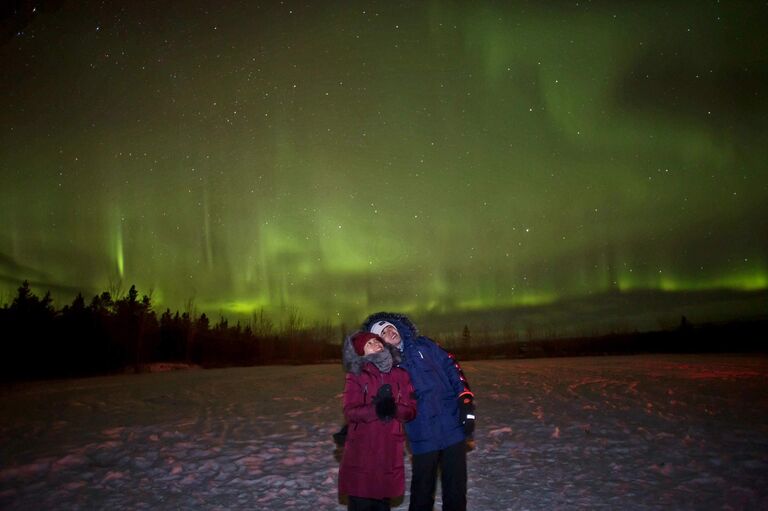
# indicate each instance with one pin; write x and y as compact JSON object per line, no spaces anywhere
{"x":466,"y":340}
{"x":27,"y":327}
{"x":102,"y":304}
{"x":134,"y":319}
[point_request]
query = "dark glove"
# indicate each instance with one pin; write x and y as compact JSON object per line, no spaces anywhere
{"x":385,"y":403}
{"x":341,"y":436}
{"x":467,"y":413}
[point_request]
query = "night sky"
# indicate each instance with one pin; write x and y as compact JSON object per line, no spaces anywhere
{"x":338,"y":158}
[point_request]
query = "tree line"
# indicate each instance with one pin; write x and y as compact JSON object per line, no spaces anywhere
{"x":112,"y":334}
{"x":116,"y":334}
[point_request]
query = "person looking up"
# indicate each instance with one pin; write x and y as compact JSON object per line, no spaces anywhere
{"x":378,"y":399}
{"x":445,"y":416}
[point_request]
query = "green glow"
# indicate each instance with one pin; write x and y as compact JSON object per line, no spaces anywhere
{"x":530,"y":299}
{"x":752,"y":280}
{"x":243,"y":308}
{"x":444,"y":157}
{"x":118,"y":247}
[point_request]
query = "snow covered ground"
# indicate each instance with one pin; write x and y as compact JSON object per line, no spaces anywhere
{"x":640,"y":432}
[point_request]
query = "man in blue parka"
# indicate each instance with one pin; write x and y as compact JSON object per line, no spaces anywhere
{"x":444,"y":413}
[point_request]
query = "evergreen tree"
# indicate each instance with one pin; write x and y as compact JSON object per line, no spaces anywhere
{"x":466,"y":340}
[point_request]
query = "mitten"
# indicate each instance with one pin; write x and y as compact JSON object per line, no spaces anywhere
{"x":341,"y":436}
{"x":385,"y":403}
{"x":467,"y":413}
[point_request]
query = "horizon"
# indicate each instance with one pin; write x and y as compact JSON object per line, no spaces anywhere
{"x":608,"y":313}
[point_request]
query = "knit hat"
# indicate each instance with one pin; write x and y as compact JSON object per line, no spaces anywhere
{"x":359,"y":341}
{"x":379,"y":327}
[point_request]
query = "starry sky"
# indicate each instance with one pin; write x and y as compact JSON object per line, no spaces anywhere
{"x":338,"y":158}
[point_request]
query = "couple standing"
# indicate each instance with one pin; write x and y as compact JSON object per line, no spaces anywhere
{"x":395,"y":377}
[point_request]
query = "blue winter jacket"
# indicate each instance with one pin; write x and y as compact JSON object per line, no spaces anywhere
{"x":438,"y":382}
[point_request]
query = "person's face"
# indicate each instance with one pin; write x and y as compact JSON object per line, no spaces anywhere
{"x":391,"y":335}
{"x":372,"y":346}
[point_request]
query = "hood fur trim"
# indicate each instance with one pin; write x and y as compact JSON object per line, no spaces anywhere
{"x":353,"y":363}
{"x":405,"y":327}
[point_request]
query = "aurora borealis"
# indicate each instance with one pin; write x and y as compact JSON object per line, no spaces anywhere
{"x":339,"y":158}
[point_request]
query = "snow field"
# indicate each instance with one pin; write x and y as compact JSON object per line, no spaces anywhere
{"x":642,"y":432}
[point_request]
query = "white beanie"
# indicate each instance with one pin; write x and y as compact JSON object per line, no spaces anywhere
{"x":379,"y":327}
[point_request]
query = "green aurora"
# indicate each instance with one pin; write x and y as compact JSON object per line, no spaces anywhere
{"x":339,"y":158}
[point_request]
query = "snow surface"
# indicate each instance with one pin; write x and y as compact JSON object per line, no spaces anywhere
{"x":639,"y":432}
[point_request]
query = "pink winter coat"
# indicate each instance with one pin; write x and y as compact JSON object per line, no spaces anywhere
{"x":372,"y":466}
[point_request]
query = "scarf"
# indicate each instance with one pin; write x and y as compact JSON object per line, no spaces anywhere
{"x":382,"y":360}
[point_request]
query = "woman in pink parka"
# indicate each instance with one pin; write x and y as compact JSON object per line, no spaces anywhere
{"x":378,"y":399}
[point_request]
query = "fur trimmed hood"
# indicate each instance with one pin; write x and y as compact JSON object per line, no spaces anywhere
{"x":353,"y":363}
{"x":405,"y":327}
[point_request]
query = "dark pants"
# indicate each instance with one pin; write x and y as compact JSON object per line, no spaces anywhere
{"x":452,"y":462}
{"x":362,"y":504}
